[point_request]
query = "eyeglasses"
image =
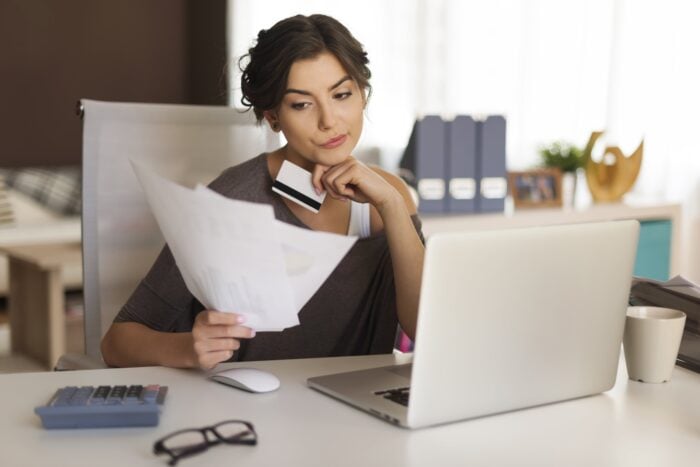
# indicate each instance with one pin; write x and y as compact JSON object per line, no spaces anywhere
{"x":185,"y":443}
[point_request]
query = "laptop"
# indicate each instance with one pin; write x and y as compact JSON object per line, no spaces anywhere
{"x":507,"y":319}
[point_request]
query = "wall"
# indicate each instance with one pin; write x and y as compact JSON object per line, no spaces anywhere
{"x":54,"y":53}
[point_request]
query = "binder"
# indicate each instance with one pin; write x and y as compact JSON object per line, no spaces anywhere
{"x":461,"y":164}
{"x":491,"y":165}
{"x":423,"y":163}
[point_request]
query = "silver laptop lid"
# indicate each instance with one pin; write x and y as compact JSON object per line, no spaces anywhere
{"x":517,"y":318}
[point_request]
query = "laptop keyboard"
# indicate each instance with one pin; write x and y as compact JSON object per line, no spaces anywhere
{"x":398,"y":395}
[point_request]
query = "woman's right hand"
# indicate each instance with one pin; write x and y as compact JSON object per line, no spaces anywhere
{"x":216,"y":335}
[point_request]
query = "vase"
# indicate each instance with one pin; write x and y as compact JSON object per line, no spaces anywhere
{"x":569,"y":182}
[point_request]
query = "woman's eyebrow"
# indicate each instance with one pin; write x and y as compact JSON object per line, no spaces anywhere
{"x":340,"y":81}
{"x":307,"y":93}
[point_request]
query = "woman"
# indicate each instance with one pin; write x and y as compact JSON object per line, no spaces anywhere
{"x":307,"y":77}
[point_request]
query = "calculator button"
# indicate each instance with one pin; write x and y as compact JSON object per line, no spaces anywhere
{"x":134,"y":392}
{"x":81,"y":396}
{"x":116,"y":395}
{"x":64,"y":395}
{"x":100,"y":395}
{"x":133,"y":395}
{"x":150,"y":393}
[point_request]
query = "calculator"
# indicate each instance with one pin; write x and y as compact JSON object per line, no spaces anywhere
{"x":104,"y":406}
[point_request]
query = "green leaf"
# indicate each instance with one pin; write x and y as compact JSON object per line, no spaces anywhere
{"x":563,"y":155}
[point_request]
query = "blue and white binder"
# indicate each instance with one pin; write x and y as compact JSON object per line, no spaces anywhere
{"x":491,"y":165}
{"x":423,"y":163}
{"x":461,"y":164}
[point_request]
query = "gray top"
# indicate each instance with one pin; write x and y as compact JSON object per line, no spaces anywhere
{"x":353,"y":313}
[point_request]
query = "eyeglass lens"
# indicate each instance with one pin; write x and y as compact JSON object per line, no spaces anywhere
{"x":234,"y":431}
{"x":185,"y":441}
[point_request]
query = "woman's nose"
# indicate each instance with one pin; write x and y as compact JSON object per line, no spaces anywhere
{"x":327,"y":117}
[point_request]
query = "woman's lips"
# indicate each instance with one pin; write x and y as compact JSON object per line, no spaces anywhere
{"x":334,"y":142}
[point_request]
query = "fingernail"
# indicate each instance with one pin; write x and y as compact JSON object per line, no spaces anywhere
{"x":252,"y":333}
{"x":318,"y":192}
{"x":240,"y":319}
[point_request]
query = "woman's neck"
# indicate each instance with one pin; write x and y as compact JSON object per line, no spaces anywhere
{"x":296,"y":158}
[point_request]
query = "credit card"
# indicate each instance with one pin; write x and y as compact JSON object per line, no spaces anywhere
{"x":294,"y":183}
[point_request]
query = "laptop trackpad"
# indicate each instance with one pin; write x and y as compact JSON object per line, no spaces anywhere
{"x":402,"y":370}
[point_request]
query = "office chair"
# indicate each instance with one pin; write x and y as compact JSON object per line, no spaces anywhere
{"x":120,"y":237}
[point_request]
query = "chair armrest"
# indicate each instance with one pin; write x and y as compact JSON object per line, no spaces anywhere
{"x":76,"y":361}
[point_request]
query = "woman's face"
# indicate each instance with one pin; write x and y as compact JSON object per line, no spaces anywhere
{"x":321,"y":112}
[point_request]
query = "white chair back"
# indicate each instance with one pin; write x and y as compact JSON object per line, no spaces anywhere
{"x":188,"y":144}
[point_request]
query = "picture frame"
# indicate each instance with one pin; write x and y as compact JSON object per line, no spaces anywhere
{"x":538,"y":188}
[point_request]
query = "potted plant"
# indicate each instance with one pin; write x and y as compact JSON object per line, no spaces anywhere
{"x":569,"y":159}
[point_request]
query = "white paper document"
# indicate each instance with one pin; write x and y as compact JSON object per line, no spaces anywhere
{"x":235,"y":256}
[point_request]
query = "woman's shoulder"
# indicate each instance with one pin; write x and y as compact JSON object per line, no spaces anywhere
{"x":243,"y":180}
{"x":400,"y":186}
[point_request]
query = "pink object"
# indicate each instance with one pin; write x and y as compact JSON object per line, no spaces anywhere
{"x":405,"y":343}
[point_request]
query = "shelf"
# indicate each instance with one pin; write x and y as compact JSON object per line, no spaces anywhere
{"x":646,"y":213}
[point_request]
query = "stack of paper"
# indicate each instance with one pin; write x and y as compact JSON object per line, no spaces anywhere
{"x":235,"y":256}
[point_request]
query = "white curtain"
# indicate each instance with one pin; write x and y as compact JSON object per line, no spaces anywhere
{"x":557,"y":69}
{"x":654,"y":93}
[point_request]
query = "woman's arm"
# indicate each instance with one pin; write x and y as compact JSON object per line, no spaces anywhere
{"x":407,"y":253}
{"x":134,"y":344}
{"x":394,"y":205}
{"x":214,"y":337}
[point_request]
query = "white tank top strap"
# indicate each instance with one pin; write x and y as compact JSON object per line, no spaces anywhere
{"x":359,"y":220}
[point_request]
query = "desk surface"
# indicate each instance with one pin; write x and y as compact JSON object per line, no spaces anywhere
{"x":633,"y":424}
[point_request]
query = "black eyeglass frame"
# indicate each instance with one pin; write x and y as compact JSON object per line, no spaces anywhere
{"x":175,"y":456}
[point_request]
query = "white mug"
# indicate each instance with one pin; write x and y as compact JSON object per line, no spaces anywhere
{"x":651,"y":342}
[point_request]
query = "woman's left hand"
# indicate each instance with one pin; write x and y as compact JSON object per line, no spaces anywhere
{"x":353,"y":180}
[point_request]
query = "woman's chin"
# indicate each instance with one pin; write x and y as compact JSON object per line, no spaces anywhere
{"x":331,"y":157}
{"x":322,"y":156}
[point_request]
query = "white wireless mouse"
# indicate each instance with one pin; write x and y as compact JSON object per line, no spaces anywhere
{"x":248,"y":379}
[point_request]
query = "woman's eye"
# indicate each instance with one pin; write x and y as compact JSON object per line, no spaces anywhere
{"x":343,"y":95}
{"x":300,"y":105}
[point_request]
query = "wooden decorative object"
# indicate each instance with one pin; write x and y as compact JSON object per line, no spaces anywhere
{"x":536,"y":188}
{"x":608,"y":182}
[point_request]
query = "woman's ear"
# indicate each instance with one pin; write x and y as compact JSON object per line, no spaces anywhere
{"x":272,"y":120}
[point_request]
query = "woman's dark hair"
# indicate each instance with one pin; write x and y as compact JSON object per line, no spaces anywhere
{"x":299,"y":37}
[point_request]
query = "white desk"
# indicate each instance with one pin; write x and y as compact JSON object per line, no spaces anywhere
{"x":634,"y":424}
